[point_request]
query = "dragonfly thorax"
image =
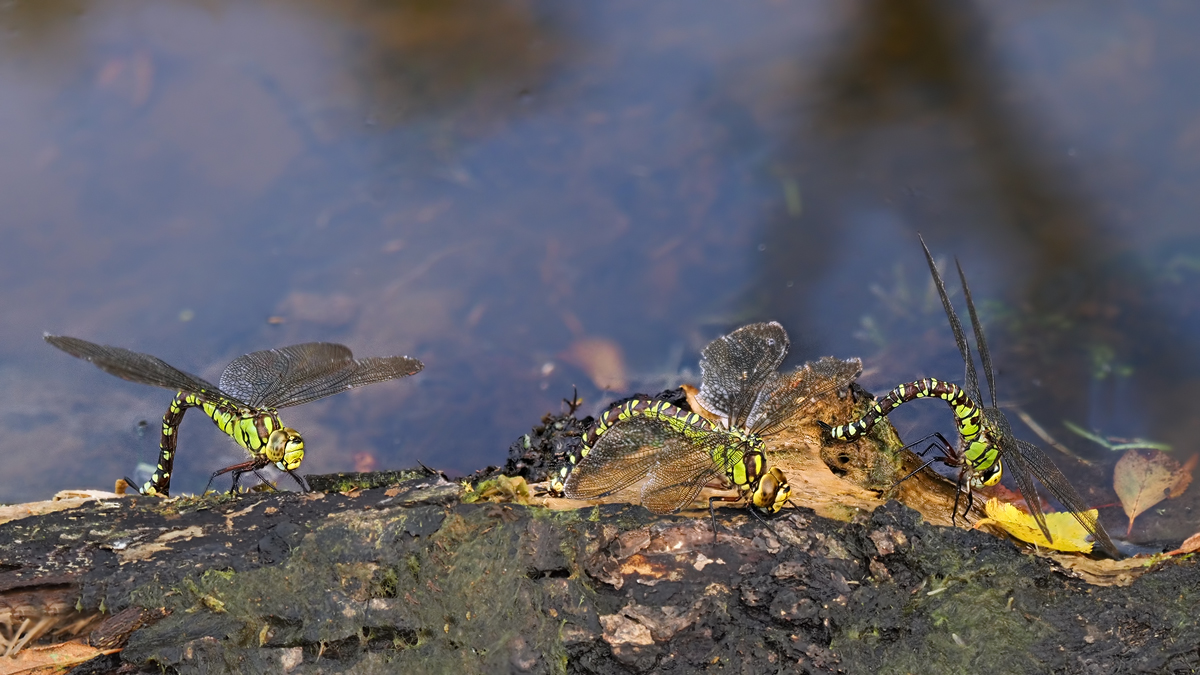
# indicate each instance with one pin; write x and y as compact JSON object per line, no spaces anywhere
{"x":983,"y":459}
{"x":258,"y":430}
{"x":766,"y":489}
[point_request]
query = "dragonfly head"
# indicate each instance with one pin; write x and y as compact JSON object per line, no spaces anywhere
{"x":771,"y":492}
{"x":285,"y":447}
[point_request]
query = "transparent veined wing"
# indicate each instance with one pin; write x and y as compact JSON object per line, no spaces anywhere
{"x":136,"y":366}
{"x":784,"y":395}
{"x":734,"y":368}
{"x":674,"y":466}
{"x":289,"y":376}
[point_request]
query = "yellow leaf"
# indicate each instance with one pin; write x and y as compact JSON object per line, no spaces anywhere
{"x":1069,"y":534}
{"x":1143,"y":478}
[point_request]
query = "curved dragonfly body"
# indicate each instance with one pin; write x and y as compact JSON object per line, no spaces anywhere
{"x":252,"y":389}
{"x":978,"y":450}
{"x":988,"y":444}
{"x":679,"y":452}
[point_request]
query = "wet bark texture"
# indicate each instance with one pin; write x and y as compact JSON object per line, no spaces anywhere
{"x":409,"y":579}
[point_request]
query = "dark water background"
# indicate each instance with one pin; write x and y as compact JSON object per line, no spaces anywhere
{"x":531,"y":196}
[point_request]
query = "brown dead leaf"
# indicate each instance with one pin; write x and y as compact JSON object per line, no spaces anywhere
{"x":693,"y":399}
{"x":57,"y":658}
{"x":601,"y":359}
{"x":1185,"y":477}
{"x":1014,"y":497}
{"x":364,"y":462}
{"x":1189,"y":545}
{"x":1143,"y":478}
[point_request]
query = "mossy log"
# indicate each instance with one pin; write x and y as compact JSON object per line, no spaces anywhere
{"x":409,"y":579}
{"x":396,"y":572}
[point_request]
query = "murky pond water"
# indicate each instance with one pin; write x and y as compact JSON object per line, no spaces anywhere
{"x":535,"y":196}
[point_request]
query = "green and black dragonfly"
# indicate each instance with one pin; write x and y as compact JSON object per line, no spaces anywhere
{"x":987,"y":443}
{"x":679,"y":452}
{"x":245,"y":404}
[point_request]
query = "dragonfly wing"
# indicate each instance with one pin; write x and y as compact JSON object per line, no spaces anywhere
{"x":971,"y":380}
{"x":382,"y":368}
{"x":734,"y":367}
{"x":306,"y":372}
{"x":785,"y":395}
{"x":623,"y":455}
{"x":985,"y":357}
{"x":1033,"y":460}
{"x":134,"y":366}
{"x":1014,"y":460}
{"x":269,"y":376}
{"x":680,"y":473}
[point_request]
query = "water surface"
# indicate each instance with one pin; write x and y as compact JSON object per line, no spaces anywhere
{"x":534,"y":196}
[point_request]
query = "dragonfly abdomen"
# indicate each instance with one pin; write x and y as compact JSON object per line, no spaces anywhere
{"x":967,"y":415}
{"x":250,"y":428}
{"x":681,"y":420}
{"x":160,"y":480}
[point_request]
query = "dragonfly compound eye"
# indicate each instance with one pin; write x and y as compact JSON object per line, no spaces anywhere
{"x":285,"y":447}
{"x":772,"y":491}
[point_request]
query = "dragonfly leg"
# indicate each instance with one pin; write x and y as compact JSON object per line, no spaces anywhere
{"x":130,"y":485}
{"x":754,"y":512}
{"x":262,"y":480}
{"x":237,"y":470}
{"x":299,"y":481}
{"x":940,"y":443}
{"x":958,"y":492}
{"x":712,"y":513}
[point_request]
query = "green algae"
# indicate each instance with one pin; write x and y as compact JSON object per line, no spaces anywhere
{"x":460,"y":599}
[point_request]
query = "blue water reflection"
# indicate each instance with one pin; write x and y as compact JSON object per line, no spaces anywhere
{"x":532,"y":196}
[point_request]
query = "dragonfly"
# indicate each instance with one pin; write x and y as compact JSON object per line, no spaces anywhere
{"x":679,"y":452}
{"x":988,"y":444}
{"x":245,"y":405}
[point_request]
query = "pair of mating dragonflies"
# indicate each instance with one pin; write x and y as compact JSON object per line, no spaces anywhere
{"x":673,"y":452}
{"x":676,"y":453}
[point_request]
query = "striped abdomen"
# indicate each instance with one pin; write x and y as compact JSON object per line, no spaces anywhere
{"x":252,"y":429}
{"x":967,"y":415}
{"x":978,"y":450}
{"x":674,"y":415}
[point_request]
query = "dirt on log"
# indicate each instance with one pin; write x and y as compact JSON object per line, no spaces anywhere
{"x":409,"y":579}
